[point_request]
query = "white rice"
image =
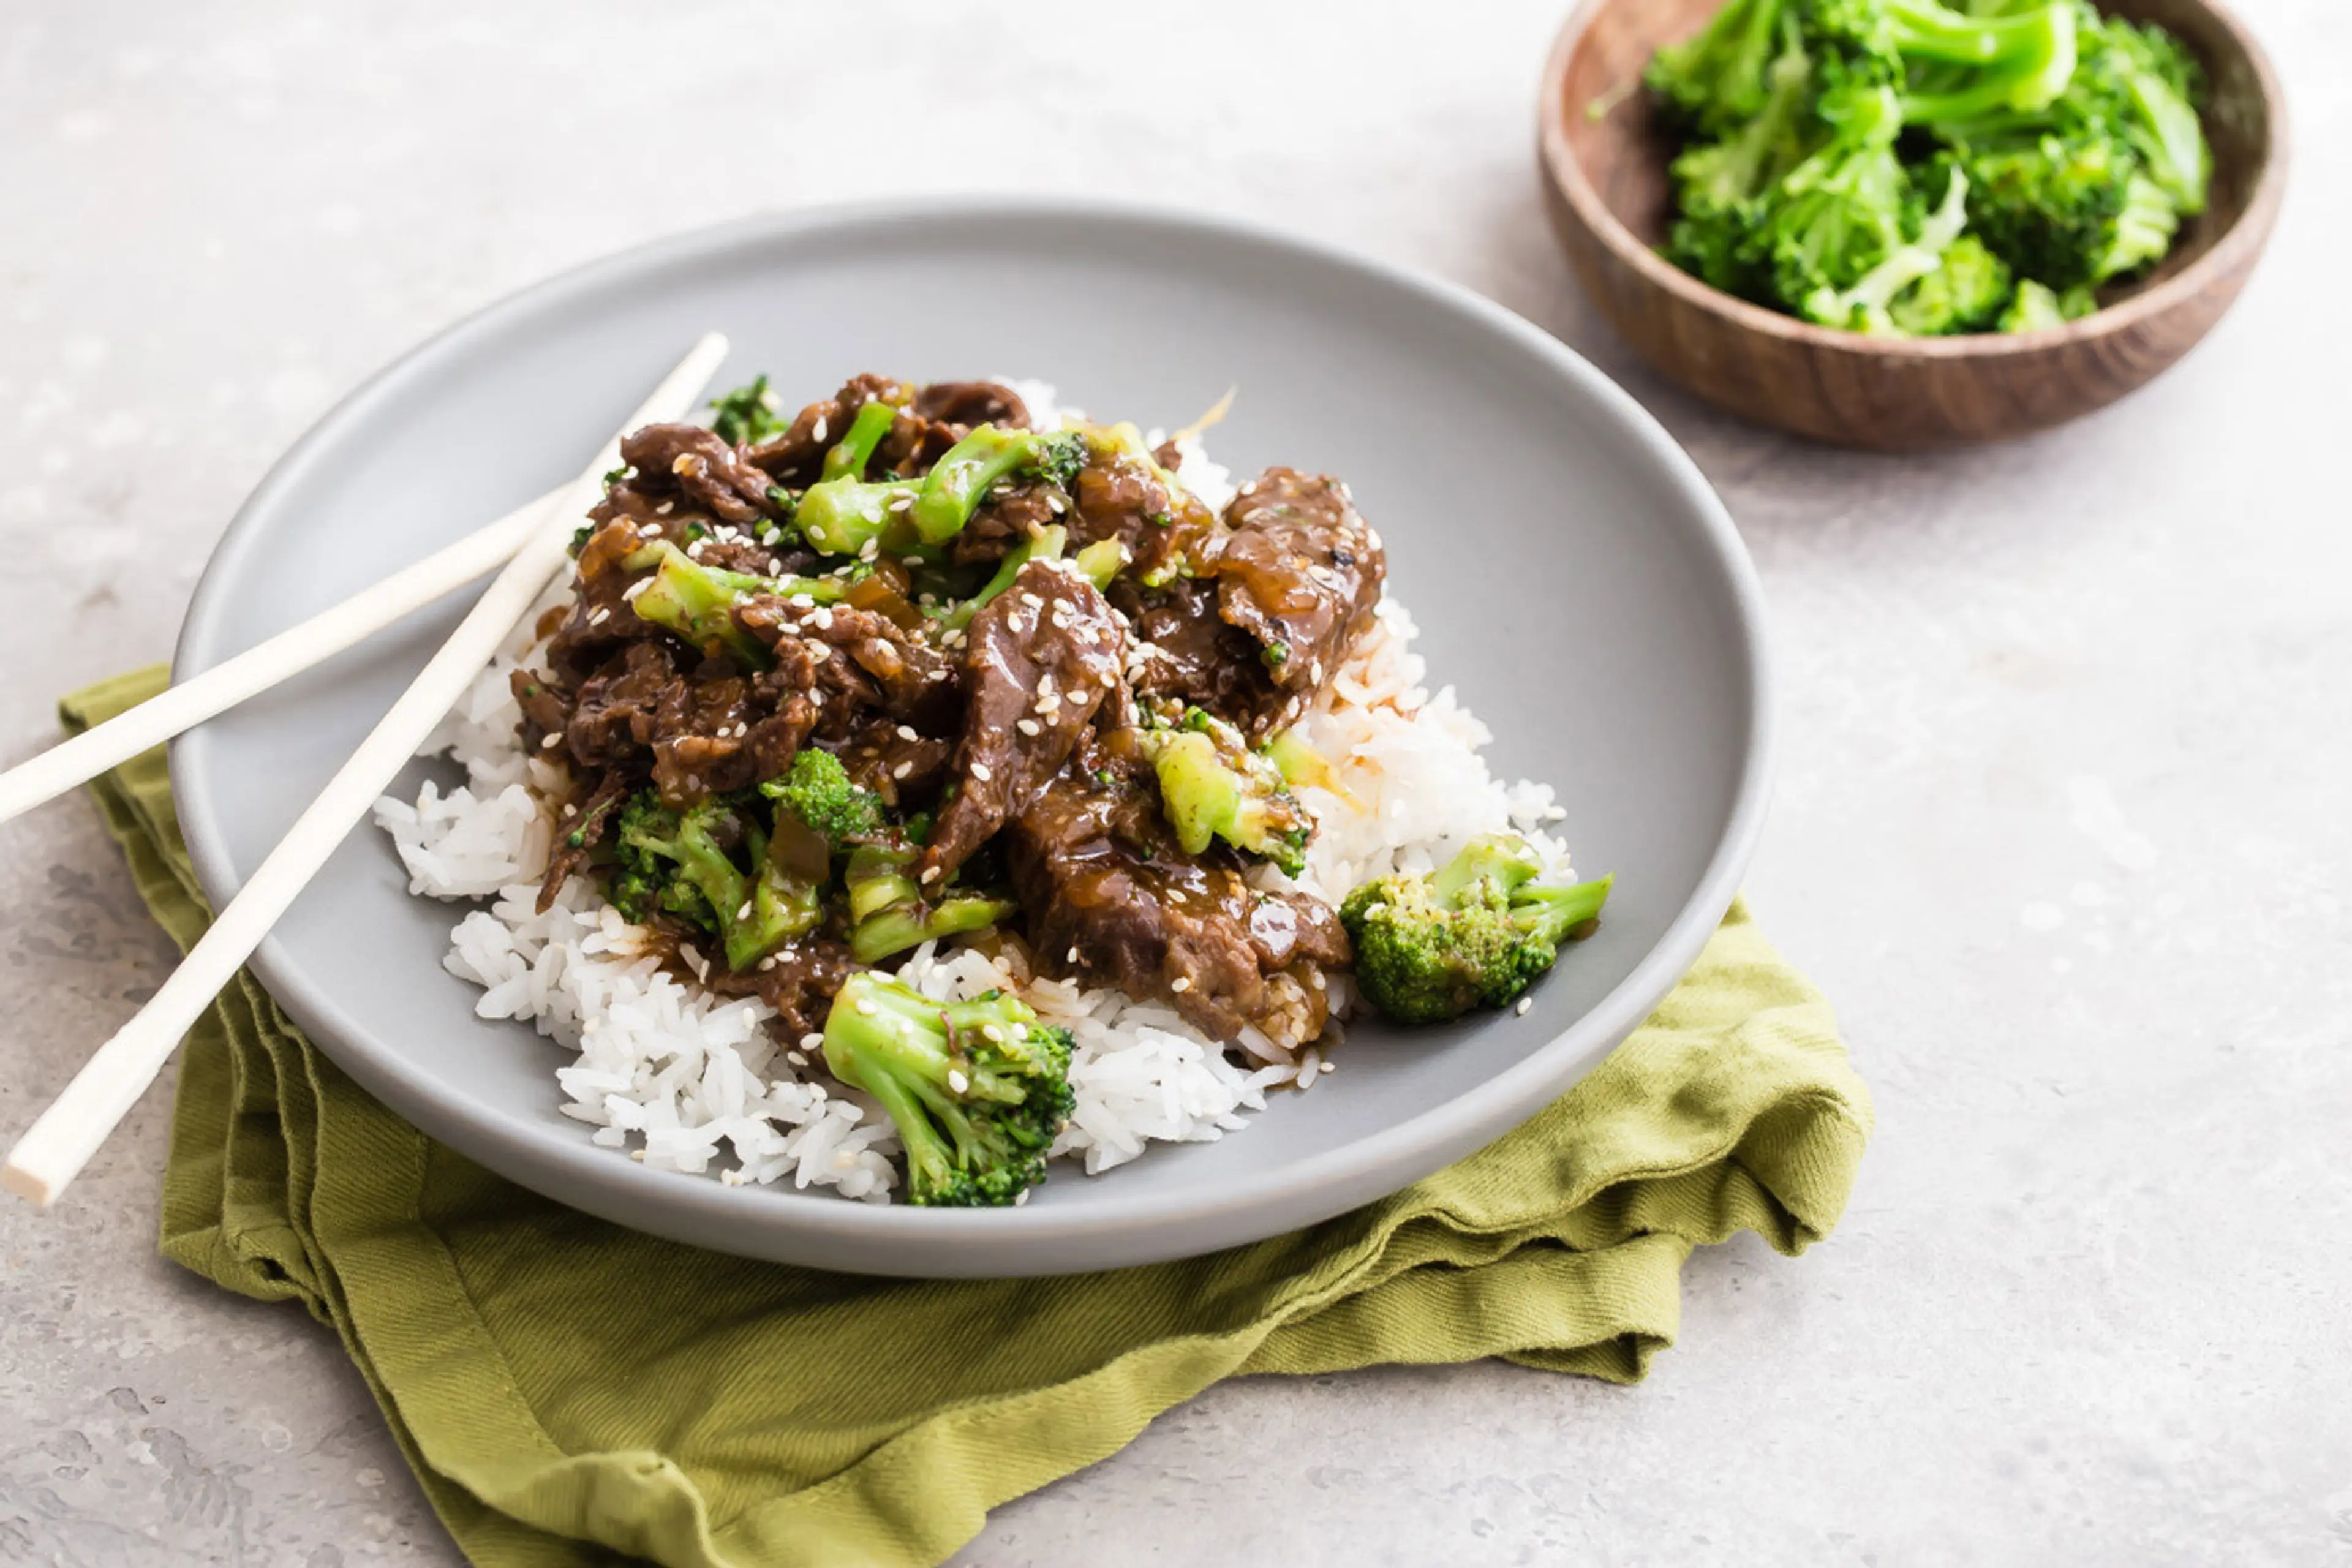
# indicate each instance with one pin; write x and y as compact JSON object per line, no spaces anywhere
{"x":686,"y":1081}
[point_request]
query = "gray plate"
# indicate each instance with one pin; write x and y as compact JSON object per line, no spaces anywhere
{"x":1572,"y":573}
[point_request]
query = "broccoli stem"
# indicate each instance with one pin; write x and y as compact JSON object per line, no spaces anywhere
{"x":849,"y":456}
{"x":1102,"y":560}
{"x":877,"y":879}
{"x":684,"y":599}
{"x":1555,"y":913}
{"x":1046,"y":546}
{"x":961,"y":480}
{"x":901,"y":926}
{"x":843,"y":516}
{"x":2026,"y":59}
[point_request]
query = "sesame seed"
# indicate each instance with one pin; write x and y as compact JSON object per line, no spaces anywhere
{"x":980,"y":772}
{"x":907,"y":732}
{"x":1073,"y":957}
{"x":629,"y":593}
{"x":902,"y":503}
{"x":865,"y":1007}
{"x":812,"y":1040}
{"x":902,"y":770}
{"x":991,"y":1032}
{"x":1027,"y":726}
{"x":796,"y":1058}
{"x":957,"y":1082}
{"x":869,"y":550}
{"x":1523,"y":1003}
{"x":816,"y":431}
{"x":1181,"y":983}
{"x":663,"y":508}
{"x":548,"y":743}
{"x":768,"y":962}
{"x":570,"y":809}
{"x":930,"y":874}
{"x":1020,"y":1197}
{"x":745,"y":912}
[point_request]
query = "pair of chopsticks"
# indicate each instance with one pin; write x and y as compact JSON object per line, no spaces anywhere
{"x":533,"y":543}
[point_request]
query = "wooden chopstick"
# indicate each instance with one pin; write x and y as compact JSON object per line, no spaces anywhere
{"x":189,"y":702}
{"x":57,"y":1146}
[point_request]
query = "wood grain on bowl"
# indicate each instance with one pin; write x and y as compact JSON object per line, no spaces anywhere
{"x":1604,"y":157}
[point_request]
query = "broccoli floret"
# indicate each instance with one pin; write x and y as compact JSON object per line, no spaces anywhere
{"x":1476,"y":932}
{"x":2047,"y":207}
{"x":1965,"y":294}
{"x":978,"y":1091}
{"x":1058,"y":458}
{"x":746,"y":416}
{"x":2038,"y":305}
{"x":889,"y":913}
{"x":1719,"y":186}
{"x":675,"y":862}
{"x":1950,"y":64}
{"x":2143,"y":231}
{"x":1867,"y":306}
{"x":1718,"y":78}
{"x":817,"y":790}
{"x":1212,"y":786}
{"x":1841,"y":212}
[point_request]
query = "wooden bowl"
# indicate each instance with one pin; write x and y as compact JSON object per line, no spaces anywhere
{"x":1606,"y":185}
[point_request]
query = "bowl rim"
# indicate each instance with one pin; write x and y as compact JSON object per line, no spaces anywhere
{"x":1146,"y":1225}
{"x":2239,"y":243}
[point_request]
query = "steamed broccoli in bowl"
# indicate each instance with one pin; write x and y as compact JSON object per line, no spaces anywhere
{"x":1925,"y":168}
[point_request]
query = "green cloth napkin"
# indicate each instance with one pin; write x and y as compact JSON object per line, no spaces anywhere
{"x":563,"y":1386}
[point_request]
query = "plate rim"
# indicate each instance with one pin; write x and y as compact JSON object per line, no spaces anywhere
{"x":818,"y":1230}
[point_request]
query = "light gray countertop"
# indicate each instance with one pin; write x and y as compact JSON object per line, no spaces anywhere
{"x":2061,"y":828}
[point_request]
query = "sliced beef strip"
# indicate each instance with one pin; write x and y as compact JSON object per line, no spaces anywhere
{"x":705,"y":470}
{"x":589,"y":817}
{"x":972,"y":403}
{"x":798,"y":980}
{"x":1185,"y":653}
{"x":1039,"y":659}
{"x":796,"y":458}
{"x":860,"y":659}
{"x":928,"y":424}
{"x":614,"y":714}
{"x":1002,"y":522}
{"x":1299,"y":571}
{"x":1119,"y":496}
{"x":897,"y":761}
{"x":1156,"y":922}
{"x":717,"y":733}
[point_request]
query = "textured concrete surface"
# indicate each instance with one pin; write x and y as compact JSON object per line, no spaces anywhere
{"x":2062,"y":825}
